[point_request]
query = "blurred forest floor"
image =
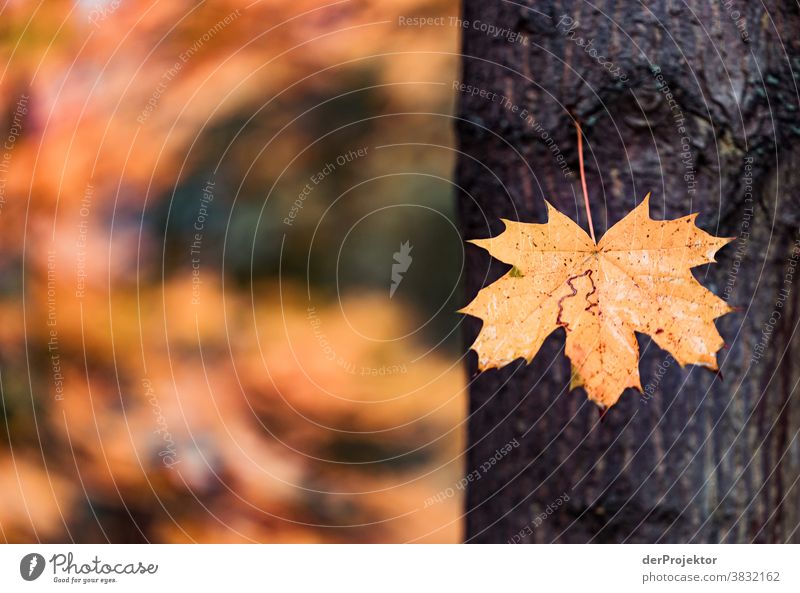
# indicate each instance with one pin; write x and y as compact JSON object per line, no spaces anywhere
{"x":179,"y":362}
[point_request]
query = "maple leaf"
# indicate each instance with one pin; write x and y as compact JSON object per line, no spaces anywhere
{"x":637,"y":278}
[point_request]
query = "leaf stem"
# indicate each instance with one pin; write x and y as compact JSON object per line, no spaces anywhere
{"x":583,"y":180}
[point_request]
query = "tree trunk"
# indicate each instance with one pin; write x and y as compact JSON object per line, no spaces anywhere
{"x":697,"y":104}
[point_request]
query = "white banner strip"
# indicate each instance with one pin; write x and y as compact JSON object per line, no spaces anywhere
{"x":398,"y":568}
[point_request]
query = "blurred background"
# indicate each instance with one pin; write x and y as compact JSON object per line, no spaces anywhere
{"x":228,"y":272}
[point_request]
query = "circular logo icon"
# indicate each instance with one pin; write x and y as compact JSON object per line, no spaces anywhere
{"x":31,"y":566}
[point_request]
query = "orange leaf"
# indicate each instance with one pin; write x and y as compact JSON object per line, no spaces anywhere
{"x":636,"y":279}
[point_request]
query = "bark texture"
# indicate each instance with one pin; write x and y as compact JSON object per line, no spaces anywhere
{"x":695,"y":459}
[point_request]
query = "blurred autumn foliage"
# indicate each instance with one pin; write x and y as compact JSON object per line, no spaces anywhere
{"x":187,"y":354}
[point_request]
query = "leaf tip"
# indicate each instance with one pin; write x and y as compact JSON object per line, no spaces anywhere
{"x":482,"y":243}
{"x":550,"y":209}
{"x":485,"y":365}
{"x":643,"y":207}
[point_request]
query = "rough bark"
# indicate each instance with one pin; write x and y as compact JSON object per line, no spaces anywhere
{"x":696,"y":459}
